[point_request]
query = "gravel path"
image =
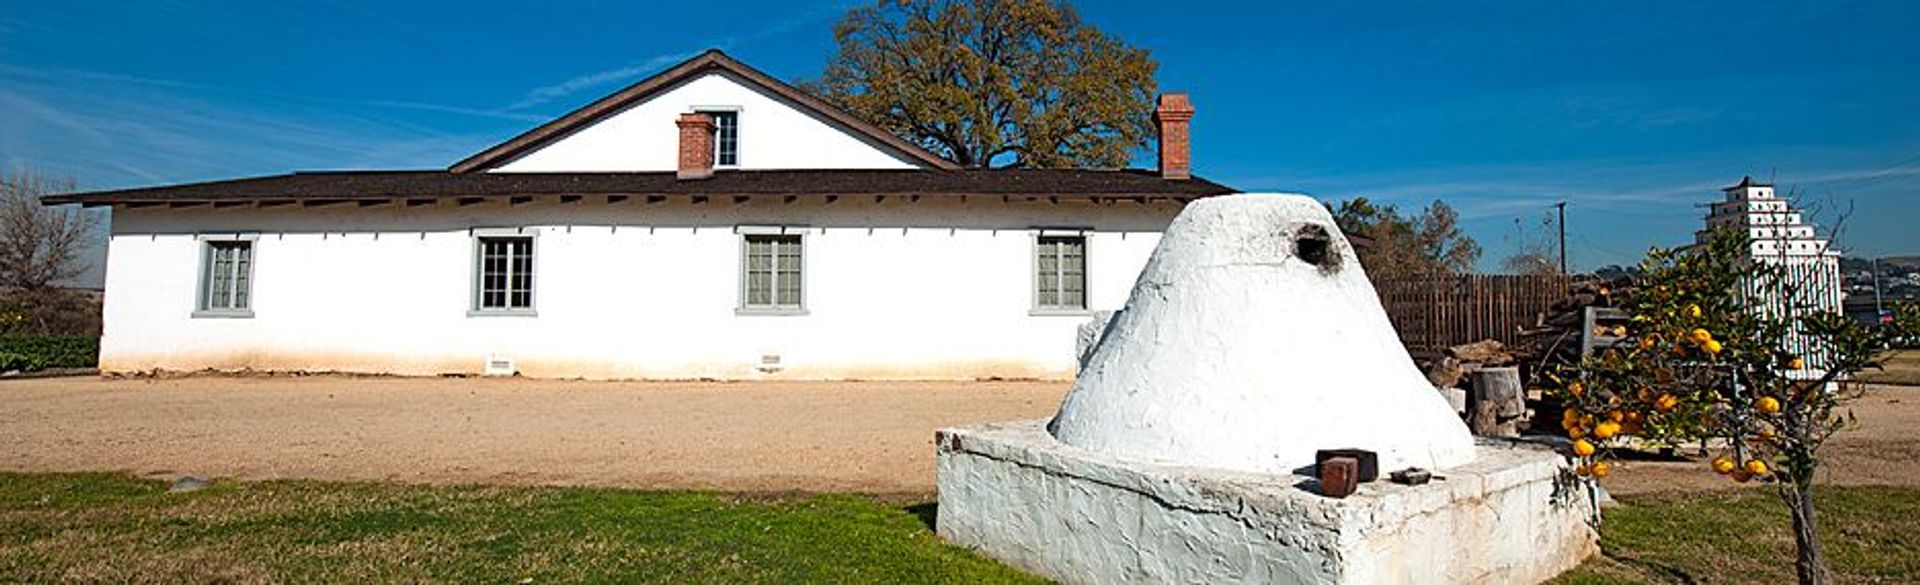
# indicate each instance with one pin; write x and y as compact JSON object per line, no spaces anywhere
{"x":759,"y":436}
{"x":768,"y":436}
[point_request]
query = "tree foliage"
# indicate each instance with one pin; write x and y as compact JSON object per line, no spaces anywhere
{"x":1424,"y":245}
{"x":39,"y":246}
{"x":1535,"y":251}
{"x":40,"y":249}
{"x":1734,"y":350}
{"x":1022,"y":83}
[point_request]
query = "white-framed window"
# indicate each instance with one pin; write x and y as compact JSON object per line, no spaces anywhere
{"x":503,"y":272}
{"x":772,"y":270}
{"x":1059,"y":272}
{"x":726,"y":135}
{"x":226,"y":277}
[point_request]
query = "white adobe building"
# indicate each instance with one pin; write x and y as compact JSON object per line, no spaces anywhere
{"x":1780,"y":235}
{"x":707,"y":222}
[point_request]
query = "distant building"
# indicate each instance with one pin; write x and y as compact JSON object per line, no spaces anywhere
{"x":1781,"y":235}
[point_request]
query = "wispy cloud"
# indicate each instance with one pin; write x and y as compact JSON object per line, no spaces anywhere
{"x":547,"y":93}
{"x":110,"y":138}
{"x":64,"y":74}
{"x":1616,"y":208}
{"x":650,"y":65}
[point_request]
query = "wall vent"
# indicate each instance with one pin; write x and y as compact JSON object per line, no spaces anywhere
{"x":499,"y":366}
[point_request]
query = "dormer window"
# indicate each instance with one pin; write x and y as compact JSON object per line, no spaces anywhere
{"x":726,"y":137}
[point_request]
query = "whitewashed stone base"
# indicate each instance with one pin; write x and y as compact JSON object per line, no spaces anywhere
{"x":1013,"y":492}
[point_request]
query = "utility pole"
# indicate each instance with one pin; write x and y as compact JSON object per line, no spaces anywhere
{"x":1876,"y":288}
{"x":1562,"y":206}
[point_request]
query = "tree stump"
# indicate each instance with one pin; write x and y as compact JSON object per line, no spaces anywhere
{"x":1497,"y":403}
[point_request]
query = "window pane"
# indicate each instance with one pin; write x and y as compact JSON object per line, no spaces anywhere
{"x":522,"y":272}
{"x":1060,"y":272}
{"x":220,"y":287}
{"x":726,"y":137}
{"x":506,"y":273}
{"x":787,"y":256}
{"x":242,"y":273}
{"x":759,"y":288}
{"x":772,"y":271}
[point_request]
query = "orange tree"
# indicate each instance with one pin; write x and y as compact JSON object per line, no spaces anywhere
{"x":1735,"y":352}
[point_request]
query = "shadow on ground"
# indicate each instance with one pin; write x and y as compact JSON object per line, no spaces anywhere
{"x":928,"y":513}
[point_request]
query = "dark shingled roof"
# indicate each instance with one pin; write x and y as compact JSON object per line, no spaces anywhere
{"x":1747,"y":181}
{"x":363,"y":185}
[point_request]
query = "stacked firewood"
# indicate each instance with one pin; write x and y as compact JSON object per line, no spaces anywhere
{"x":1489,"y":380}
{"x":1562,"y":334}
{"x":1557,"y":334}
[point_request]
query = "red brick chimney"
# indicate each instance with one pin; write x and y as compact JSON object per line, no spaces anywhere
{"x":696,"y":146}
{"x":1176,"y":155}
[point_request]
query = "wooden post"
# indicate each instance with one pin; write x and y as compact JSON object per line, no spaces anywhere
{"x":1497,"y":402}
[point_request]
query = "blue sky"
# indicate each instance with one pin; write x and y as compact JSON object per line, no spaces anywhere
{"x":1633,"y":112}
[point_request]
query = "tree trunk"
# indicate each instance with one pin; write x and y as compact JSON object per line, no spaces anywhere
{"x":1497,"y":402}
{"x":1810,"y":563}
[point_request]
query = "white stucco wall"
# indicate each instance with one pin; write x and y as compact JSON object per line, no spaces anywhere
{"x":936,"y":289}
{"x":1014,"y":493}
{"x":643,"y":137}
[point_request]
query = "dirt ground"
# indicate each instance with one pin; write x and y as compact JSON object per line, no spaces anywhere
{"x":759,"y":436}
{"x":1884,"y":449}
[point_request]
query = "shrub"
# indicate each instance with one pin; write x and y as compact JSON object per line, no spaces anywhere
{"x":39,"y":352}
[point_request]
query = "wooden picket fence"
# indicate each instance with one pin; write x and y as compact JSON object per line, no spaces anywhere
{"x":1432,"y":314}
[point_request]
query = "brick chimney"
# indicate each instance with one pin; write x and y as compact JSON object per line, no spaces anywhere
{"x":696,"y":146}
{"x":1176,"y":156}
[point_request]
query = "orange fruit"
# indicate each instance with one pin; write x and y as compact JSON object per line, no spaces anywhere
{"x":1693,"y":311}
{"x":1646,"y":343}
{"x":1616,"y":416}
{"x":1600,"y":469}
{"x":1665,"y":403}
{"x":1576,"y":388}
{"x":1767,"y":404}
{"x":1576,"y":432}
{"x":1756,"y":467}
{"x":1723,"y":465}
{"x":1633,"y":417}
{"x":1582,"y":471}
{"x":1569,"y":419}
{"x":1712,"y":346}
{"x":1797,"y":364}
{"x":1582,"y":448}
{"x":1606,"y":430}
{"x":1700,"y":336}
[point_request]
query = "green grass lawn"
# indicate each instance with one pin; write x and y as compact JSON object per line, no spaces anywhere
{"x":1871,"y":534}
{"x":94,"y":528}
{"x":97,"y":527}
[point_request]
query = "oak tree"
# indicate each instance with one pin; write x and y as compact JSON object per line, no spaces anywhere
{"x":1016,"y":83}
{"x":1427,"y":244}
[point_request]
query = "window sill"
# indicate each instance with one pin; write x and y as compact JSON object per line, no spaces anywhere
{"x":1060,"y":313}
{"x":223,"y":314}
{"x":770,"y":312}
{"x":502,"y":313}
